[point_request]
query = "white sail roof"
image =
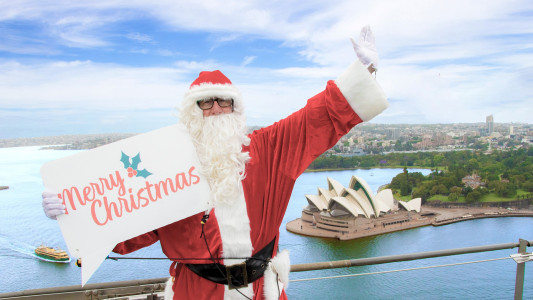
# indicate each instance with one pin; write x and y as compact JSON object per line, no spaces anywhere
{"x":317,"y":201}
{"x":357,"y":199}
{"x":363,"y":201}
{"x":384,"y":200}
{"x":325,"y":193}
{"x":334,"y":185}
{"x":414,"y":204}
{"x":349,"y":205}
{"x":362,"y":188}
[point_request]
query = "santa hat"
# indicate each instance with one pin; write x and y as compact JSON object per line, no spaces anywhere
{"x":213,"y":84}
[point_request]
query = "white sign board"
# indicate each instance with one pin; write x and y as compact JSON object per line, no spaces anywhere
{"x":124,"y":189}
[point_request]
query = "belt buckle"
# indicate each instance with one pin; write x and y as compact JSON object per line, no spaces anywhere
{"x":244,"y":276}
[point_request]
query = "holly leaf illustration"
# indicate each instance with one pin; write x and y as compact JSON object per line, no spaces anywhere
{"x":125,"y":160}
{"x":144,"y":173}
{"x":135,"y":161}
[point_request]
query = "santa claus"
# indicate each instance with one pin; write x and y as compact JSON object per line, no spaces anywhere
{"x":231,"y":252}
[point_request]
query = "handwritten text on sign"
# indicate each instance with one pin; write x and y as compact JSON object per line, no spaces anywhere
{"x":94,"y":194}
{"x":114,"y":197}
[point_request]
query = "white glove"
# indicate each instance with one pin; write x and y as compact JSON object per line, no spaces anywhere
{"x":52,"y":205}
{"x":366,"y":49}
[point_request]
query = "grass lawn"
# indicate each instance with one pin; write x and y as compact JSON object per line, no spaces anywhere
{"x":522,"y":192}
{"x":490,"y":197}
{"x":444,"y":198}
{"x":396,"y":195}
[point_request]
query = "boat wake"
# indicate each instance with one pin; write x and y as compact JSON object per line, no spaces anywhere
{"x":14,"y":248}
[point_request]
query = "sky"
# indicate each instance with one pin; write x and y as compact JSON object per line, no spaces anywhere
{"x":123,"y":66}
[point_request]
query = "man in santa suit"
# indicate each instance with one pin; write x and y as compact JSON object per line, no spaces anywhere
{"x":231,"y":251}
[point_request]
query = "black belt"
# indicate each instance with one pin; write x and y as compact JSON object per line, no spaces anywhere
{"x":239,"y":275}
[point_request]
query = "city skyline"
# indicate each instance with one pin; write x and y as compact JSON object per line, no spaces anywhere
{"x":122,"y":66}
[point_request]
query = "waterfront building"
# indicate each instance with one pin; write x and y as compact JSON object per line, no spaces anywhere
{"x":345,"y":210}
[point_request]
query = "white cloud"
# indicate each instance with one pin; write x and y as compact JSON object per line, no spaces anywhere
{"x":139,"y":37}
{"x":441,"y":61}
{"x":248,"y":60}
{"x":88,"y":85}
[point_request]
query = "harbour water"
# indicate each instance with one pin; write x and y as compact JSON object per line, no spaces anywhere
{"x":23,"y":226}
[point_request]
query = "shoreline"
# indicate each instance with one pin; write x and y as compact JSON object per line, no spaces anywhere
{"x":364,"y":168}
{"x":428,"y":216}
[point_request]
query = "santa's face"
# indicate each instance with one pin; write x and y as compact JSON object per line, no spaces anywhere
{"x":217,"y":106}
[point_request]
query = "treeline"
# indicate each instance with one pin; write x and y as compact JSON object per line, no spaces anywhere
{"x":396,"y":159}
{"x":503,"y":172}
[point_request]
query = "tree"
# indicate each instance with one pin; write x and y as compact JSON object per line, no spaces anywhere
{"x":405,"y":188}
{"x":528,"y":185}
{"x":453,"y":197}
{"x":439,"y":189}
{"x":455,"y":192}
{"x":472,"y":165}
{"x":505,"y":189}
{"x":473,"y":196}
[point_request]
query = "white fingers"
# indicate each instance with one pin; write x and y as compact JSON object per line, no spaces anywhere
{"x":52,"y":205}
{"x":367,"y":37}
{"x":366,"y":48}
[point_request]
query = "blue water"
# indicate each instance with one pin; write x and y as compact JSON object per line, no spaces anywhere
{"x":23,"y":226}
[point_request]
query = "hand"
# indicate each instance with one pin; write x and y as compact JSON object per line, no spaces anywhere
{"x":366,"y":49}
{"x":52,"y":205}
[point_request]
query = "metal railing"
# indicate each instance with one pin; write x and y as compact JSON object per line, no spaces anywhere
{"x":153,"y":288}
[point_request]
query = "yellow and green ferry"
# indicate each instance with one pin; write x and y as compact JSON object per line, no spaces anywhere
{"x":52,"y":254}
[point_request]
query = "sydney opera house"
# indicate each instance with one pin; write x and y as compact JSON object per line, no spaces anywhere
{"x":355,"y":210}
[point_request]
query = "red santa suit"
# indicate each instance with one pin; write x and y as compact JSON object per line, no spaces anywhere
{"x":279,"y":154}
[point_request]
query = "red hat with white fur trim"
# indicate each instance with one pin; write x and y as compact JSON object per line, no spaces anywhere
{"x":213,"y":84}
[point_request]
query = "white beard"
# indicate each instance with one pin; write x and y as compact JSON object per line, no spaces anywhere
{"x":219,"y":140}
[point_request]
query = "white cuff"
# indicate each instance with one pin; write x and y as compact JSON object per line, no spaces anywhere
{"x":363,"y":93}
{"x":276,"y":276}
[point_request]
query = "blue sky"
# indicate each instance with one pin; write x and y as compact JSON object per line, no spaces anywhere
{"x":123,"y":65}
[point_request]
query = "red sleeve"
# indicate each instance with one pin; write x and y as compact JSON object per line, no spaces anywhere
{"x":282,"y":151}
{"x":300,"y":138}
{"x":136,"y":243}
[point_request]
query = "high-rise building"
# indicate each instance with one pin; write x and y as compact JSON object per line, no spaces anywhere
{"x":393,"y":133}
{"x":490,"y":125}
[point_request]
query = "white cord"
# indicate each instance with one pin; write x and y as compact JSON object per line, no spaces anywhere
{"x":392,"y":271}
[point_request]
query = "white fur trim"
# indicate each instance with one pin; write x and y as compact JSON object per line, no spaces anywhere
{"x":234,"y":226}
{"x":169,"y":292}
{"x":208,"y":90}
{"x":363,"y":93}
{"x":277,"y":275}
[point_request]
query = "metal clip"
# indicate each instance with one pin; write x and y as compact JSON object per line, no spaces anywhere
{"x":522,"y":257}
{"x":242,"y":266}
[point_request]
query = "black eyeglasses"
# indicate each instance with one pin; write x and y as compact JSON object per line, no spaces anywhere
{"x":206,"y":104}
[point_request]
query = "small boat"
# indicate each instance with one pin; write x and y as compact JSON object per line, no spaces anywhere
{"x":52,"y":254}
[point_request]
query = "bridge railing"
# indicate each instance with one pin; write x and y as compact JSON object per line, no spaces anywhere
{"x":152,"y":289}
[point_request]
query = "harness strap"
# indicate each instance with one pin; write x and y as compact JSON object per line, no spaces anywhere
{"x":238,"y":275}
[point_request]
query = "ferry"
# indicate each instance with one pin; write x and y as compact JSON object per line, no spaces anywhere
{"x":52,"y":255}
